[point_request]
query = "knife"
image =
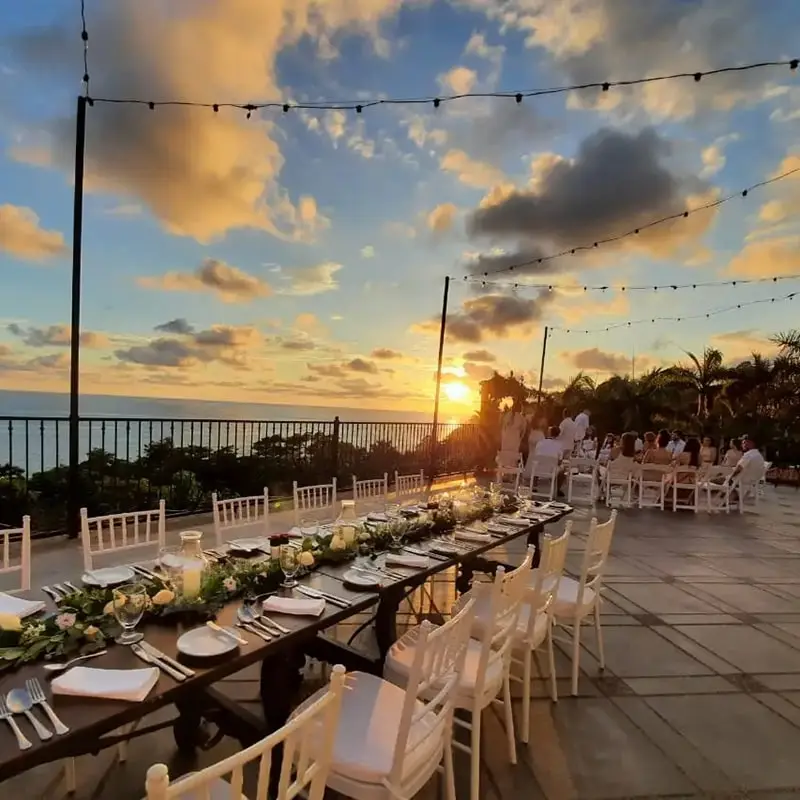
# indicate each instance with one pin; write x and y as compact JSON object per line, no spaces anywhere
{"x":314,"y":595}
{"x":148,"y":659}
{"x":431,"y":553}
{"x":155,"y":653}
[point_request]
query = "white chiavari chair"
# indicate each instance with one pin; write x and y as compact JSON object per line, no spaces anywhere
{"x":307,"y":740}
{"x":577,"y":599}
{"x":248,"y":515}
{"x":313,"y":498}
{"x":509,"y":463}
{"x":121,"y":533}
{"x":487,"y":665}
{"x":716,"y":486}
{"x":762,"y":481}
{"x":745,"y":494}
{"x":685,"y":488}
{"x":581,"y":472}
{"x":371,"y":489}
{"x":409,"y":487}
{"x":544,"y":476}
{"x":390,"y":741}
{"x":619,"y":476}
{"x":13,"y":539}
{"x":651,"y":482}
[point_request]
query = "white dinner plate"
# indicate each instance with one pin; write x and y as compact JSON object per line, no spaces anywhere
{"x":248,"y":545}
{"x":361,"y":579}
{"x":108,"y":576}
{"x":206,"y":643}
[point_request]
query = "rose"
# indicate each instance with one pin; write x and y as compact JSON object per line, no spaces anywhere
{"x":230,"y":584}
{"x":163,"y":598}
{"x":338,"y":543}
{"x":306,"y":559}
{"x":10,"y":622}
{"x":91,"y":632}
{"x":65,"y":621}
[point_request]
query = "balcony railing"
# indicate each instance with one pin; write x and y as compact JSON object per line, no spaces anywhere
{"x":131,"y":463}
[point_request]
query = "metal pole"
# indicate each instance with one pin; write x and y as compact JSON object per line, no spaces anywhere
{"x":541,"y":368}
{"x":73,"y":503}
{"x":434,"y":437}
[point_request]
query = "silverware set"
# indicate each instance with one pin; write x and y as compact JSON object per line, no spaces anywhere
{"x":317,"y":594}
{"x":23,"y":701}
{"x":58,"y":591}
{"x":151,"y":655}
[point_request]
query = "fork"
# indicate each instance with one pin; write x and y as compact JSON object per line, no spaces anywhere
{"x":52,"y":594}
{"x":5,"y":714}
{"x":37,"y":695}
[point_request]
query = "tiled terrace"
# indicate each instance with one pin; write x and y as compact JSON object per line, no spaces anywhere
{"x":700,"y":698}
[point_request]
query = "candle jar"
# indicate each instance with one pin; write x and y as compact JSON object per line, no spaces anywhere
{"x":192,"y":563}
{"x":346,"y":524}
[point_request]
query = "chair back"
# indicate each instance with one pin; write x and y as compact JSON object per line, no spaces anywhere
{"x":595,"y":556}
{"x":372,"y":488}
{"x":429,"y":701}
{"x":581,"y":469}
{"x":547,"y":576}
{"x":241,"y":512}
{"x":685,"y":487}
{"x":119,"y":533}
{"x":651,"y":480}
{"x":509,"y":459}
{"x":12,"y":566}
{"x":409,"y":485}
{"x":313,"y":498}
{"x":543,"y":476}
{"x":307,"y":740}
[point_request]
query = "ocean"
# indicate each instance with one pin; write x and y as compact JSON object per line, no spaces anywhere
{"x":43,"y":442}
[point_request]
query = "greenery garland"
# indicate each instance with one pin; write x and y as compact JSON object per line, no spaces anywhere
{"x":85,"y":620}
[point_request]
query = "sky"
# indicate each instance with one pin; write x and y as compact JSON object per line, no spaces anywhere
{"x":299,"y":258}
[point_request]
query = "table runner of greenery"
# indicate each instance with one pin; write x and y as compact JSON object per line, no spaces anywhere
{"x":85,"y":620}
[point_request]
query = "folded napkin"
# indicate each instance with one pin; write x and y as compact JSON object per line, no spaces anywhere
{"x":295,"y":533}
{"x":471,"y":536}
{"x":132,"y":685}
{"x":418,"y":562}
{"x":302,"y":606}
{"x":520,"y":523}
{"x":494,"y":527}
{"x":18,"y":606}
{"x":377,"y":518}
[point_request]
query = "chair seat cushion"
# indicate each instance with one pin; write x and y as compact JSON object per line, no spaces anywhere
{"x":400,"y":659}
{"x":218,"y":789}
{"x":368,"y":726}
{"x":566,"y":604}
{"x":521,"y":633}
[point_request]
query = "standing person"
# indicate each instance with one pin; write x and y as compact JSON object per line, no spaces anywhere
{"x":566,"y":433}
{"x":536,"y":434}
{"x":732,"y":454}
{"x":581,"y":425}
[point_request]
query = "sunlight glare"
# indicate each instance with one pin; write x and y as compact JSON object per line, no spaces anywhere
{"x":457,"y":392}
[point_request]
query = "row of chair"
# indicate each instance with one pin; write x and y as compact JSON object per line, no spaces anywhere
{"x":370,"y":737}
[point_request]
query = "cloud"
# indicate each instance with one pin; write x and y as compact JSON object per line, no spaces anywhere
{"x":179,"y":326}
{"x":477,"y":46}
{"x":367,"y":251}
{"x":741,"y":344}
{"x":124,"y":210}
{"x":490,"y":316}
{"x":362,"y":365}
{"x":573,"y":205}
{"x":228,"y":177}
{"x":471,"y":172}
{"x":441,"y":218}
{"x":385,"y":354}
{"x":57,"y":336}
{"x":343,"y":369}
{"x":229,"y":283}
{"x":767,"y":258}
{"x":22,"y":236}
{"x":224,"y":336}
{"x":458,"y":80}
{"x":297,"y":344}
{"x":480,"y":355}
{"x":478,"y":372}
{"x":713,"y":156}
{"x":307,"y":322}
{"x":311,"y":280}
{"x":160,"y":353}
{"x":596,"y":360}
{"x":335,"y":122}
{"x":421,"y":135}
{"x":400,"y":229}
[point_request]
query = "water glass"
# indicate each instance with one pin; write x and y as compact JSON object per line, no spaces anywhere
{"x":392,"y":510}
{"x":309,"y":526}
{"x":129,"y":604}
{"x":290,"y":564}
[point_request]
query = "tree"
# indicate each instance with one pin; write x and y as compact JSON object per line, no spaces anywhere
{"x":705,"y":375}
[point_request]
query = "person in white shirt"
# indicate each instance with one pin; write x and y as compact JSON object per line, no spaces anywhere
{"x":581,"y":425}
{"x":677,"y":444}
{"x":551,"y":447}
{"x":566,"y":433}
{"x":750,"y":468}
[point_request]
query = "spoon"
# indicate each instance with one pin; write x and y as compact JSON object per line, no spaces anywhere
{"x":68,"y":664}
{"x":247,"y":617}
{"x":20,"y":702}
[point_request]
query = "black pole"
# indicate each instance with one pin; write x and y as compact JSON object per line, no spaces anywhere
{"x":435,"y":437}
{"x":73,"y":504}
{"x":541,"y":368}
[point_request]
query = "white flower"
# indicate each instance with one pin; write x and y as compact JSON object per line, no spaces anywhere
{"x":230,"y":584}
{"x":65,"y":621}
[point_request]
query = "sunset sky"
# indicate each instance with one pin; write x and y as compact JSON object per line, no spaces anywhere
{"x":299,"y":258}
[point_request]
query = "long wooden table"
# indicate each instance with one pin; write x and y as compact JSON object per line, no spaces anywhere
{"x":92,"y":721}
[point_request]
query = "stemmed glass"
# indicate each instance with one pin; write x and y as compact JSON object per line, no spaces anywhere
{"x":392,"y":510}
{"x":290,"y":564}
{"x":129,"y":603}
{"x":309,"y":526}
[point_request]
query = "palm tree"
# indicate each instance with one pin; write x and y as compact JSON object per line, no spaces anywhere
{"x":789,"y":343}
{"x":579,"y":392}
{"x":705,"y":375}
{"x":625,"y":403}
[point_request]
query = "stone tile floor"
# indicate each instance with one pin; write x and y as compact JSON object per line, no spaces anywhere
{"x":700,"y":697}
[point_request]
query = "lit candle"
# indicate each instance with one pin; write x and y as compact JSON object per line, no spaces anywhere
{"x":348,"y":533}
{"x":192,"y":575}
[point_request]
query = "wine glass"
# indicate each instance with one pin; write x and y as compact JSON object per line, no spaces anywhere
{"x":129,"y":603}
{"x":309,"y":526}
{"x":290,"y":564}
{"x":392,"y":510}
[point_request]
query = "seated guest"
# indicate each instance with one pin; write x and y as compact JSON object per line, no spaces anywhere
{"x":626,"y":452}
{"x":657,"y":455}
{"x":708,"y":453}
{"x":551,"y":447}
{"x":677,"y":444}
{"x":733,"y":453}
{"x":605,"y":451}
{"x":688,"y":457}
{"x":750,"y":468}
{"x":649,"y":444}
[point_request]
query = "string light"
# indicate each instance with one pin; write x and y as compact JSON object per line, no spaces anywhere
{"x":85,"y":40}
{"x":635,"y":231}
{"x":706,"y":315}
{"x":627,"y":288}
{"x":518,"y":95}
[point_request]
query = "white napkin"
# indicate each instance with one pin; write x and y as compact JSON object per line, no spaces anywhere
{"x":471,"y":536}
{"x":18,"y":606}
{"x":295,"y":533}
{"x":377,"y":517}
{"x":495,"y":527}
{"x":305,"y":606}
{"x":520,"y":523}
{"x":132,"y":685}
{"x":418,"y":562}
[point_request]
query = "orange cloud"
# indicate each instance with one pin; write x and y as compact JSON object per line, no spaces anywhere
{"x":230,"y":283}
{"x":22,"y":236}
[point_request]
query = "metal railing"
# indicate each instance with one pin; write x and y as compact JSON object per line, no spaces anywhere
{"x":131,"y":463}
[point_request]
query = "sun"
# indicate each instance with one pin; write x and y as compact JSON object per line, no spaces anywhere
{"x":457,"y":392}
